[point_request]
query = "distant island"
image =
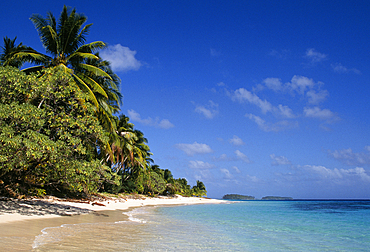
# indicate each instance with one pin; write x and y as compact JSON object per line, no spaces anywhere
{"x":245,"y":197}
{"x":276,"y":198}
{"x":238,"y":197}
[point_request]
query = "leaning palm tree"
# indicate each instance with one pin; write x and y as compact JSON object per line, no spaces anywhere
{"x":64,"y":41}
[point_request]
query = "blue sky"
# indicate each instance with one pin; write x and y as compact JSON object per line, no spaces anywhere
{"x":251,"y":97}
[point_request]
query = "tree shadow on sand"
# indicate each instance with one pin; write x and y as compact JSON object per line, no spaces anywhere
{"x":38,"y":207}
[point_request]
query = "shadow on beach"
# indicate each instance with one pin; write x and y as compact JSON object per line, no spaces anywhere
{"x":38,"y":207}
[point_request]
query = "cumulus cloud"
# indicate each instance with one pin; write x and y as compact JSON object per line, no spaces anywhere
{"x":135,"y":117}
{"x":236,"y":141}
{"x":349,"y":157}
{"x":209,"y":111}
{"x":279,"y":160}
{"x":315,"y":56}
{"x":269,"y":127}
{"x":316,"y":112}
{"x":339,"y":68}
{"x":194,"y":148}
{"x":316,"y":97}
{"x":242,"y":156}
{"x":300,"y":84}
{"x":122,"y":59}
{"x":199,"y":165}
{"x":273,"y":84}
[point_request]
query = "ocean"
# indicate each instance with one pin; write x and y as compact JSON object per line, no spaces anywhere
{"x":237,"y":226}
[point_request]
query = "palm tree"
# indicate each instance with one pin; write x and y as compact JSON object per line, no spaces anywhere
{"x":130,"y":152}
{"x":16,"y":55}
{"x":65,"y":41}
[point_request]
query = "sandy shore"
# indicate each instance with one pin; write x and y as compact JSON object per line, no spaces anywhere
{"x":18,"y":210}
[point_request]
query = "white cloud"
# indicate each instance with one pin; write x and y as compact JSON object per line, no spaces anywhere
{"x":252,"y":178}
{"x":279,"y":160}
{"x":268,"y":127}
{"x":273,"y":84}
{"x":324,"y":172}
{"x":235,"y":169}
{"x":135,"y":117}
{"x":349,"y":157}
{"x":357,"y":172}
{"x":315,"y":56}
{"x":284,"y":111}
{"x":338,"y":174}
{"x":316,"y":97}
{"x":242,"y":156}
{"x":300,"y":84}
{"x":122,"y":59}
{"x":209,"y":111}
{"x":236,"y":141}
{"x":199,"y":165}
{"x":339,"y":68}
{"x":165,"y":124}
{"x":227,"y":174}
{"x":243,"y":95}
{"x":316,"y":112}
{"x":194,"y":148}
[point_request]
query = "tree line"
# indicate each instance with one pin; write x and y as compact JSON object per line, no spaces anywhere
{"x":61,"y":130}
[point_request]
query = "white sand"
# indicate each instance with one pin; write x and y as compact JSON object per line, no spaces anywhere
{"x":41,"y":208}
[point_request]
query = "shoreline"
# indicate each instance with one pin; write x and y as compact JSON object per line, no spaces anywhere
{"x":20,"y":210}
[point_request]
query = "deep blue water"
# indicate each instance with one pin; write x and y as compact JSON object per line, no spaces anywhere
{"x":238,"y":226}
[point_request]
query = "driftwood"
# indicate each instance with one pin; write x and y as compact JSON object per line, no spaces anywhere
{"x":98,"y":204}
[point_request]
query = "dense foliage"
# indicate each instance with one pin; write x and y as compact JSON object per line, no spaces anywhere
{"x":48,"y":135}
{"x":58,"y":131}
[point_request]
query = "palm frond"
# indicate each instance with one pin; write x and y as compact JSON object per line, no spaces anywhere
{"x":92,"y":47}
{"x":95,"y":70}
{"x":93,"y":84}
{"x":82,"y":55}
{"x":83,"y":85}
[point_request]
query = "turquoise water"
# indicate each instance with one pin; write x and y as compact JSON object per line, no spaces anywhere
{"x":242,"y":226}
{"x":265,"y":226}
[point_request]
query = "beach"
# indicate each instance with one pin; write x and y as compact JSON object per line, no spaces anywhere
{"x":23,"y":220}
{"x":18,"y":210}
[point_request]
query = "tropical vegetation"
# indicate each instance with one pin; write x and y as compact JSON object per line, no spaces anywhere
{"x":61,"y":131}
